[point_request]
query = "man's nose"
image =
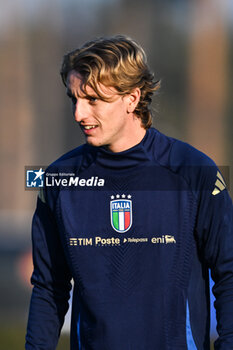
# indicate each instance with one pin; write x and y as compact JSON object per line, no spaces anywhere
{"x":80,"y":110}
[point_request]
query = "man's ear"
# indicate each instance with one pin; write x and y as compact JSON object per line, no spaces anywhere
{"x":133,"y":98}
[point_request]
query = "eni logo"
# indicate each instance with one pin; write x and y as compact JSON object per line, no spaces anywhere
{"x":165,"y":239}
{"x":121,"y":213}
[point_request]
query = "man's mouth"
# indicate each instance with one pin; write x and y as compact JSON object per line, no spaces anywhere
{"x":88,"y":127}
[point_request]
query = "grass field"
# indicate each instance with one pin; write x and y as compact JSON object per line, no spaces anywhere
{"x":12,"y":338}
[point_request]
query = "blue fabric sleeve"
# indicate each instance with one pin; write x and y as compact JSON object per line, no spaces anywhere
{"x":51,"y":279}
{"x":215,"y":237}
{"x":214,"y":230}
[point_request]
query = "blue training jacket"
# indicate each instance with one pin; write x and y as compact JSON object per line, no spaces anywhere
{"x":137,"y":232}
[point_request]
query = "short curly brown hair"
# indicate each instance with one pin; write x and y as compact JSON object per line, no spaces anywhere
{"x":118,"y":62}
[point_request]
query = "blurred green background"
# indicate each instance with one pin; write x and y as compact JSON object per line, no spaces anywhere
{"x":189,"y":47}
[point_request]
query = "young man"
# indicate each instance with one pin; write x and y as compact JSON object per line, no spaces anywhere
{"x":137,"y":223}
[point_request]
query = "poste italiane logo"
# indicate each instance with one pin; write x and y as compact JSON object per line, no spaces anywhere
{"x":121,"y":213}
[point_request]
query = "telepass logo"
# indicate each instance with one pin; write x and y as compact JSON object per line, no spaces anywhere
{"x":121,"y":213}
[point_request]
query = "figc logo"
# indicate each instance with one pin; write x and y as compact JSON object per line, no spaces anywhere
{"x":121,"y":213}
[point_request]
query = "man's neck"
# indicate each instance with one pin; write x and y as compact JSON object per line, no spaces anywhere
{"x":134,"y":138}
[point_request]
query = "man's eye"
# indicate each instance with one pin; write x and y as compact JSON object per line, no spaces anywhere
{"x":92,"y":99}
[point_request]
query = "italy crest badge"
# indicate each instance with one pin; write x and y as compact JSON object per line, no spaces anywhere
{"x":121,"y":213}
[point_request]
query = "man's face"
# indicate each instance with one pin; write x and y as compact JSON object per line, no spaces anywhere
{"x":103,"y":123}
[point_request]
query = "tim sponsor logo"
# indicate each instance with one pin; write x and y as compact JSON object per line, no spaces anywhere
{"x":96,"y":241}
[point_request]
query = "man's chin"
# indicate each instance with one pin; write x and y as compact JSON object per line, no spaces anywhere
{"x":92,"y":142}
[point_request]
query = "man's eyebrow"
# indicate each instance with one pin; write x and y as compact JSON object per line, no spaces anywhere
{"x":87,"y":96}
